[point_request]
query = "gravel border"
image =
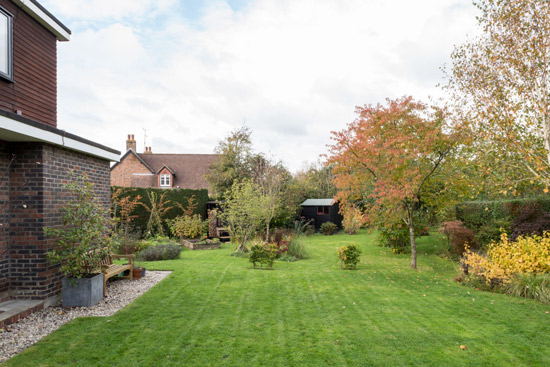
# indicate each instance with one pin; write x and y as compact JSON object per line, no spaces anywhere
{"x":17,"y":337}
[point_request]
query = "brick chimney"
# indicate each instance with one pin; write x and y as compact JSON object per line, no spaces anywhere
{"x":130,"y":142}
{"x":148,"y":150}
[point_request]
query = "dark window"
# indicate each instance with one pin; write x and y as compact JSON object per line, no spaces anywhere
{"x":6,"y":44}
{"x":322,"y":210}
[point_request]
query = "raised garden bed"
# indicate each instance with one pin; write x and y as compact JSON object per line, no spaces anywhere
{"x":200,"y":244}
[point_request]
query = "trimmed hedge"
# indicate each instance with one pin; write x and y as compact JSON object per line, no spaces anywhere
{"x":173,"y":195}
{"x":487,"y":217}
{"x":475,"y":214}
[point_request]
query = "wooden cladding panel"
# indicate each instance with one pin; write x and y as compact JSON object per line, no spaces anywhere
{"x":34,"y":91}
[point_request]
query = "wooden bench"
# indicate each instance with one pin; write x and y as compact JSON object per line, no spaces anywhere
{"x":109,"y":269}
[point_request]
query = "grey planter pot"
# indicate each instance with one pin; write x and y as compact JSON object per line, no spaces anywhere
{"x":83,"y":292}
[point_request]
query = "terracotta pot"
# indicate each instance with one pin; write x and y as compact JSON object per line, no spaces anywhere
{"x":138,"y":273}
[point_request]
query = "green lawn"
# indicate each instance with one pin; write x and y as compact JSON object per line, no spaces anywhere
{"x":215,"y":310}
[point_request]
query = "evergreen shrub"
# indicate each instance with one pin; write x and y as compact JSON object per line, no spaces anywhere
{"x":328,"y":228}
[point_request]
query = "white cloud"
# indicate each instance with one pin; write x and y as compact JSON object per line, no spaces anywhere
{"x":107,"y":10}
{"x":293,"y":69}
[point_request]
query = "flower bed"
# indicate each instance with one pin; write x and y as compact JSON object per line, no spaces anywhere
{"x":201,"y":244}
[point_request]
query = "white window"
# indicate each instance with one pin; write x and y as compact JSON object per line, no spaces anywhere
{"x":164,"y":180}
{"x":6,"y":44}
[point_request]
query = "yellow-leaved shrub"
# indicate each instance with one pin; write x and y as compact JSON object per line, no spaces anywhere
{"x":525,"y":255}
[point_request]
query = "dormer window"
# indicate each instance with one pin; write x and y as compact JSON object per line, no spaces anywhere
{"x":165,"y":180}
{"x":6,"y":44}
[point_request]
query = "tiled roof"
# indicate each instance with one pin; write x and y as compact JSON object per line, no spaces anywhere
{"x":189,"y":169}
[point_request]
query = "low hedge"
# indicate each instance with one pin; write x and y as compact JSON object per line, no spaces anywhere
{"x":173,"y":195}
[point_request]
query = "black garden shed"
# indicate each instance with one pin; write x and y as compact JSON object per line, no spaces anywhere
{"x":321,"y":211}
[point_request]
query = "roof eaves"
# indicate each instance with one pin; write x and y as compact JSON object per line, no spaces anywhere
{"x":131,"y":151}
{"x":21,"y":129}
{"x":168,"y":168}
{"x":44,"y":17}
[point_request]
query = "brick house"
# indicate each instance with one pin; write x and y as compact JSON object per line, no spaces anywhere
{"x":150,"y":169}
{"x":35,"y":156}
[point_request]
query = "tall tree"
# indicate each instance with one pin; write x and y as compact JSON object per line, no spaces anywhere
{"x":316,"y":180}
{"x":235,"y":161}
{"x":271,"y":178}
{"x":388,"y":157}
{"x":244,"y":212}
{"x":501,"y":82}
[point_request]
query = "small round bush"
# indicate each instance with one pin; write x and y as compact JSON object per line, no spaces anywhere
{"x":160,"y":252}
{"x":328,"y":228}
{"x":263,"y":254}
{"x":349,"y":256}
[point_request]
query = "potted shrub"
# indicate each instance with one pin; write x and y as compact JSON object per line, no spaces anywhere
{"x":81,"y":244}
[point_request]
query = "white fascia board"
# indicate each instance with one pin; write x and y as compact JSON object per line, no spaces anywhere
{"x":36,"y":134}
{"x":44,"y":19}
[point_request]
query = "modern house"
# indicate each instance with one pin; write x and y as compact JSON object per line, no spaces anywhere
{"x":148,"y":169}
{"x":35,"y":157}
{"x":321,"y":211}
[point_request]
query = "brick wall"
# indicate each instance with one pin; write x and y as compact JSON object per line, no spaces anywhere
{"x":5,"y":158}
{"x":36,"y":194}
{"x":122,"y":174}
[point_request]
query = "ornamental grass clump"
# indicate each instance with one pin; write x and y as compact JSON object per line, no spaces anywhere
{"x":535,"y":286}
{"x":349,"y":256}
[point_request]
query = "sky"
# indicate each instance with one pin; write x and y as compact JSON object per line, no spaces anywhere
{"x":182,"y":74}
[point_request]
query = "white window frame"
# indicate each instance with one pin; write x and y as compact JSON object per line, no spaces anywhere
{"x":8,"y":74}
{"x":164,"y":180}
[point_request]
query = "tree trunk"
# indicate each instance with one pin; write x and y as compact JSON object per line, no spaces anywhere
{"x":410,"y":223}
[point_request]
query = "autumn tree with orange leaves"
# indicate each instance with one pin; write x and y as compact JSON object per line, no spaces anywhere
{"x":388,"y":158}
{"x":501,"y":83}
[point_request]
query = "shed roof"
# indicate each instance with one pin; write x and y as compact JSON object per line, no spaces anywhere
{"x":319,"y":202}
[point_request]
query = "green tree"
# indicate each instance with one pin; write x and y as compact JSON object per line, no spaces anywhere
{"x":235,"y":161}
{"x":500,"y":82}
{"x":244,"y":212}
{"x":82,"y":241}
{"x":317,"y":180}
{"x":272,"y":178}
